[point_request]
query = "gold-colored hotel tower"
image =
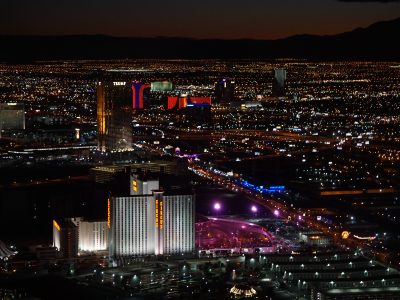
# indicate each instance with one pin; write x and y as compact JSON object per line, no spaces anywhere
{"x":114,"y":115}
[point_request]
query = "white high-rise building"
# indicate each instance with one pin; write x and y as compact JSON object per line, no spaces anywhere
{"x":154,"y":224}
{"x":93,"y":235}
{"x":131,"y":227}
{"x":88,"y":236}
{"x":177,"y":233}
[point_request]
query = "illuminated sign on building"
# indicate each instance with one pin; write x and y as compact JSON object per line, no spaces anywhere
{"x":55,"y":224}
{"x":161,"y":215}
{"x":134,"y":185}
{"x":108,"y":213}
{"x":119,"y":83}
{"x":157,"y":217}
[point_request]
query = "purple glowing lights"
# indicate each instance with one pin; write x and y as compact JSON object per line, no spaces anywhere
{"x":217,"y":206}
{"x":276,"y":213}
{"x":254,"y":209}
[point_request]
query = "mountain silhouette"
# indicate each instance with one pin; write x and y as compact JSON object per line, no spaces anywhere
{"x":376,"y":42}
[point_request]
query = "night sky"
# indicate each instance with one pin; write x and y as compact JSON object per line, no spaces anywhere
{"x":230,"y":19}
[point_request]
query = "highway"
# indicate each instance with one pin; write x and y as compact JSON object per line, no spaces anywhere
{"x":273,"y":204}
{"x":289,"y":213}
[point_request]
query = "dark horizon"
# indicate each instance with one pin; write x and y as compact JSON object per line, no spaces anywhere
{"x":358,"y":44}
{"x":222,"y":20}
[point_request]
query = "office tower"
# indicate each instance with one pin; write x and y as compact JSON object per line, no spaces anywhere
{"x":225,"y":91}
{"x":12,"y":116}
{"x":156,"y":223}
{"x":278,"y":84}
{"x":114,"y":115}
{"x":138,"y":90}
{"x":66,"y":237}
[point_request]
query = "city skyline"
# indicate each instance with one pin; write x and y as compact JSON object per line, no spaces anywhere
{"x":231,"y":169}
{"x":200,"y":150}
{"x":233,"y":20}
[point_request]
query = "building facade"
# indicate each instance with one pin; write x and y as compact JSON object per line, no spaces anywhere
{"x":76,"y":235}
{"x":65,"y":238}
{"x":93,"y":235}
{"x":138,"y":90}
{"x":106,"y":173}
{"x":143,"y":185}
{"x":114,"y":115}
{"x":278,"y":84}
{"x":162,"y":86}
{"x":151,"y":224}
{"x":12,"y":116}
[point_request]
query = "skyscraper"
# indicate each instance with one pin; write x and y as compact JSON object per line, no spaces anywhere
{"x":154,"y":223}
{"x":138,"y":89}
{"x":278,"y":84}
{"x":114,"y":115}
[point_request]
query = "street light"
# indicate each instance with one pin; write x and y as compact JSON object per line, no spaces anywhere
{"x":217,"y":207}
{"x":254,"y":210}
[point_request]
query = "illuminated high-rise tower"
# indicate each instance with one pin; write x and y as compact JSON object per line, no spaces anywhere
{"x":278,"y":84}
{"x":114,"y":115}
{"x":150,"y":221}
{"x":138,"y":89}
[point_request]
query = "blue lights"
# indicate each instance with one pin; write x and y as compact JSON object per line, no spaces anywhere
{"x":197,"y":105}
{"x":261,"y":188}
{"x":278,"y":187}
{"x":244,"y":183}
